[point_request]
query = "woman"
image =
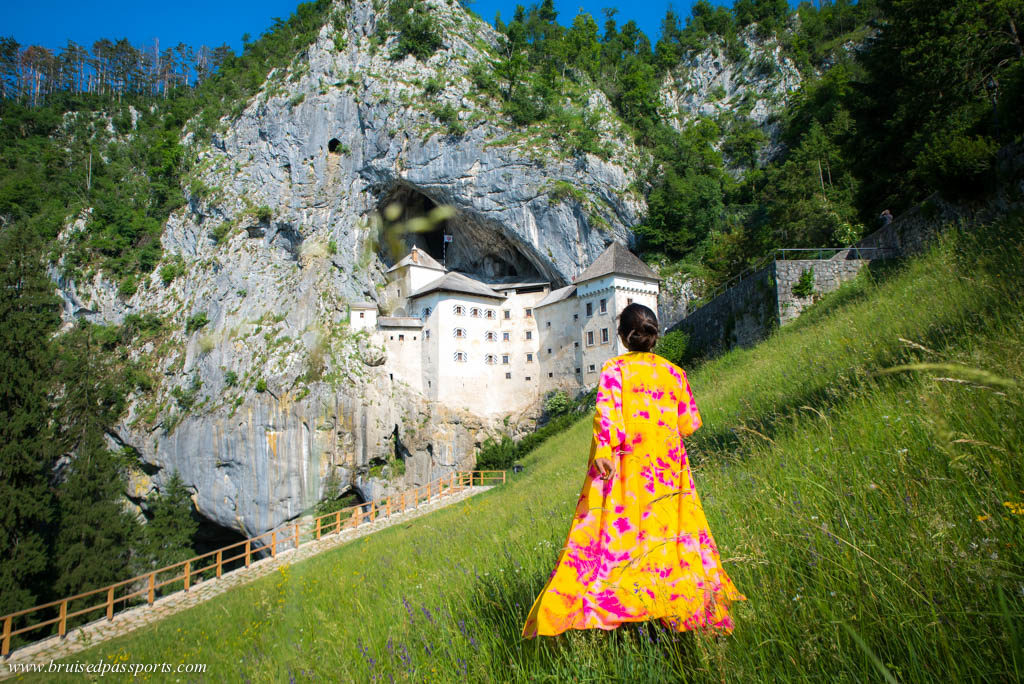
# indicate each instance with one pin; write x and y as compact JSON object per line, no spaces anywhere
{"x":639,"y":547}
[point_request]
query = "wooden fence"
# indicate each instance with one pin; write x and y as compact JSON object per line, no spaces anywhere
{"x":212,"y":565}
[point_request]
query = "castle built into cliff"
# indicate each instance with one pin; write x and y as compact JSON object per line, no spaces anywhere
{"x":499,"y":347}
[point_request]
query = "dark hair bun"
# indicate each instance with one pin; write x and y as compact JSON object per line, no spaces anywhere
{"x":638,"y":328}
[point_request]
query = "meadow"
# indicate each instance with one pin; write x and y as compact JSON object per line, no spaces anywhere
{"x":860,"y":470}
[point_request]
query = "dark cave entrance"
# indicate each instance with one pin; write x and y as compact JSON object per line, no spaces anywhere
{"x":477,"y":247}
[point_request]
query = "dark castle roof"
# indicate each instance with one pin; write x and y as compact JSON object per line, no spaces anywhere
{"x":620,"y":261}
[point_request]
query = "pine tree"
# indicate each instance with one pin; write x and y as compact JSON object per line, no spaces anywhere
{"x":29,"y":312}
{"x":93,"y":546}
{"x":167,"y":537}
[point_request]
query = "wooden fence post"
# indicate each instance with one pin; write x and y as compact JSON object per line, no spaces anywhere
{"x":273,"y":544}
{"x":337,"y":517}
{"x":151,"y":594}
{"x":62,"y":627}
{"x":296,"y":536}
{"x":6,"y":647}
{"x":220,"y":561}
{"x":388,"y":514}
{"x":188,"y":574}
{"x":503,"y":473}
{"x":248,"y":552}
{"x":318,"y":528}
{"x":373,"y":511}
{"x":110,"y":603}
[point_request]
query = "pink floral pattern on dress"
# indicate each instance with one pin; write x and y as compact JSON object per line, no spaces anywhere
{"x":639,"y":547}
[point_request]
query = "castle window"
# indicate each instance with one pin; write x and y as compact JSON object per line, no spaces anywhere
{"x":426,"y":334}
{"x":575,"y":317}
{"x":592,"y":368}
{"x":508,"y":314}
{"x":474,"y":312}
{"x":401,"y":338}
{"x":549,"y":350}
{"x":529,"y":313}
{"x":529,"y":334}
{"x":527,"y":378}
{"x":490,"y":359}
{"x":504,"y":359}
{"x":426,"y":311}
{"x":508,"y":376}
{"x":529,"y":357}
{"x":604,"y":335}
{"x":505,"y":337}
{"x":604,"y":306}
{"x":590,"y":309}
{"x":489,"y":314}
{"x":629,"y":300}
{"x":460,"y":310}
{"x":590,"y":338}
{"x":462,"y":357}
{"x":577,"y":371}
{"x":491,"y":336}
{"x":548,"y":324}
{"x":575,"y":345}
{"x":551,"y":375}
{"x":459,"y":333}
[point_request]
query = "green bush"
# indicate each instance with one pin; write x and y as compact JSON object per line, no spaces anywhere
{"x":195,"y":322}
{"x":450,"y":118}
{"x":418,"y":33}
{"x":557,"y":404}
{"x":172,"y":269}
{"x":673,"y":346}
{"x":231,"y":378}
{"x":261,"y":385}
{"x":264,"y":213}
{"x":805,"y":284}
{"x":957,"y":165}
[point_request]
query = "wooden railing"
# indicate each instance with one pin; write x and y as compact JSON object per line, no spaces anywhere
{"x":117,"y":597}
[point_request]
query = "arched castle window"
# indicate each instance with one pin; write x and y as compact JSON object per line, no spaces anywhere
{"x":490,"y":359}
{"x":491,"y":336}
{"x":461,"y":356}
{"x":459,"y":333}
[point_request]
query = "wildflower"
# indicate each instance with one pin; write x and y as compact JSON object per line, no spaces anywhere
{"x":408,"y":608}
{"x":983,"y":518}
{"x":1016,"y":507}
{"x":426,"y":613}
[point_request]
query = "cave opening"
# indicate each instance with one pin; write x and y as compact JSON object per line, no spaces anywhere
{"x":474,"y":246}
{"x":333,"y":146}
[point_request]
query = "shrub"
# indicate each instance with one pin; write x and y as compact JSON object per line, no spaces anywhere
{"x":418,"y":34}
{"x":264,"y":213}
{"x":450,"y":118}
{"x":434,"y":85}
{"x":261,"y":385}
{"x":673,"y":346}
{"x":195,"y":322}
{"x":172,"y":269}
{"x":231,"y":378}
{"x":557,"y":404}
{"x":957,"y":165}
{"x":805,"y":285}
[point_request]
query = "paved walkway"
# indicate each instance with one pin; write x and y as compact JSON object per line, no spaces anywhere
{"x":90,"y":634}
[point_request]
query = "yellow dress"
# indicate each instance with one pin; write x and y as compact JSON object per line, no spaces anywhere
{"x":639,"y":547}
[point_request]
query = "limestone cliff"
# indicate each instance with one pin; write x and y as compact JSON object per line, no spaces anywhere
{"x":265,"y":390}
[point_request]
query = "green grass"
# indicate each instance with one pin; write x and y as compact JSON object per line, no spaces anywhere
{"x":862,"y":514}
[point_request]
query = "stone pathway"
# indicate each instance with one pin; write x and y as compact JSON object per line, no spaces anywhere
{"x":90,"y":634}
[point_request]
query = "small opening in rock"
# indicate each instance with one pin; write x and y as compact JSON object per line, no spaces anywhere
{"x":333,"y":145}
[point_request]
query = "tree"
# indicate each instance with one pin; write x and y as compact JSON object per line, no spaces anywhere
{"x":93,"y":546}
{"x":29,"y":312}
{"x":167,"y":537}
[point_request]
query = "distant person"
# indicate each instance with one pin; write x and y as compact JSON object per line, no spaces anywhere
{"x":886,"y":217}
{"x":639,"y":547}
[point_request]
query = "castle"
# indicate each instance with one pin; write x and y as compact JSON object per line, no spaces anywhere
{"x":499,"y":347}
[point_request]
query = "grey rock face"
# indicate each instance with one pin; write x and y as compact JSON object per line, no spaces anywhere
{"x":274,"y":393}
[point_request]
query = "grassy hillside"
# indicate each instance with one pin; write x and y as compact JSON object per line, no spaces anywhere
{"x":873,"y":520}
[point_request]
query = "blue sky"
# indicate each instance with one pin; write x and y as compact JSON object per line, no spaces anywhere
{"x":52,"y":22}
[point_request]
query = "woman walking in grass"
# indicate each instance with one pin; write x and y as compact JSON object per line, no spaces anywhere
{"x":639,"y":547}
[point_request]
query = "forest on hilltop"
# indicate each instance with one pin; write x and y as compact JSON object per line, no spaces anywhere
{"x":900,"y":99}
